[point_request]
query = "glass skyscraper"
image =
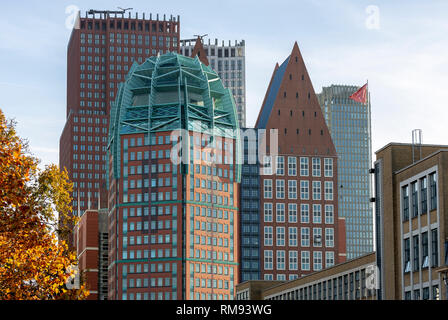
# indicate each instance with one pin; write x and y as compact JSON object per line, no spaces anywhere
{"x":350,"y":128}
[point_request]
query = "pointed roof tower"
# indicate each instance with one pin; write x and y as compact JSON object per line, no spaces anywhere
{"x":199,"y":51}
{"x":291,"y":106}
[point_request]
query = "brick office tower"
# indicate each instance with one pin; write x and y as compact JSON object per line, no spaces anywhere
{"x":300,"y":229}
{"x":103,"y":45}
{"x":92,"y":251}
{"x":173,"y":227}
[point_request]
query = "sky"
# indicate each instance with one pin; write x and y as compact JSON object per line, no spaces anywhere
{"x":400,"y":47}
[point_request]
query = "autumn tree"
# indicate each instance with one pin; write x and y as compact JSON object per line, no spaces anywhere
{"x":35,"y":220}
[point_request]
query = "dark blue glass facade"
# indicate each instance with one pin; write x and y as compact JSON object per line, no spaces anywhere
{"x":250,"y":207}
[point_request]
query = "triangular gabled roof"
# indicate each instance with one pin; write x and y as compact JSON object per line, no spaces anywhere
{"x":199,"y":51}
{"x":291,"y":106}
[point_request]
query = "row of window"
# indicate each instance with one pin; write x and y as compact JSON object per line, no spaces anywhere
{"x":280,"y":235}
{"x":423,"y":253}
{"x":279,"y":166}
{"x":150,"y":296}
{"x":280,"y":191}
{"x":146,"y":254}
{"x":293,"y":260}
{"x":423,"y":294}
{"x":415,"y":197}
{"x":347,"y":287}
{"x":292,"y":213}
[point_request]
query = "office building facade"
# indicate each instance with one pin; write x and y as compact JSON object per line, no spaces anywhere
{"x":230,"y":63}
{"x":101,"y":50}
{"x":300,"y":229}
{"x":412,"y":218}
{"x":173,"y":184}
{"x":349,"y":123}
{"x":350,"y":280}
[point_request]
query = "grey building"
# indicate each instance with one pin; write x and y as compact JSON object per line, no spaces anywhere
{"x":229,"y":61}
{"x":349,"y":123}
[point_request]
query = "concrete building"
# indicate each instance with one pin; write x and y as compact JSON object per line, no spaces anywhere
{"x":411,"y":215}
{"x":349,"y":123}
{"x":91,"y":240}
{"x":173,"y":184}
{"x":229,"y":60}
{"x":350,"y":280}
{"x":300,"y":228}
{"x":103,"y":45}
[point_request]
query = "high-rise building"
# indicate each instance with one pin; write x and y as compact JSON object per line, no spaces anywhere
{"x":103,"y":46}
{"x":230,"y":63}
{"x":349,"y":125}
{"x":300,"y":228}
{"x":91,"y":240}
{"x":173,"y":184}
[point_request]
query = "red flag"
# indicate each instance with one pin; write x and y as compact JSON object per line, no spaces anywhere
{"x":360,"y":95}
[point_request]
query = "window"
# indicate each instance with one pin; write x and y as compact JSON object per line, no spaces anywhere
{"x":407,"y":255}
{"x":280,"y":189}
{"x":293,"y":260}
{"x":292,"y":166}
{"x":425,"y":250}
{"x":317,"y":260}
{"x":316,"y":190}
{"x":434,"y":249}
{"x":292,"y":212}
{"x":317,"y":237}
{"x":267,"y":188}
{"x":328,"y":167}
{"x":317,"y":213}
{"x":280,"y":212}
{"x":267,"y":165}
{"x":268,"y":236}
{"x":414,"y":198}
{"x":305,"y":255}
{"x":329,"y":214}
{"x":281,"y":259}
{"x":316,"y":167}
{"x":280,"y":236}
{"x":304,"y":167}
{"x":304,"y":213}
{"x":268,"y":260}
{"x":304,"y":190}
{"x":329,"y":190}
{"x":433,"y":191}
{"x":329,"y":259}
{"x":268,"y":212}
{"x":424,"y":195}
{"x":280,"y":165}
{"x":405,"y":202}
{"x":292,"y":234}
{"x":305,"y":236}
{"x":292,"y":189}
{"x":415,"y":244}
{"x":329,"y":237}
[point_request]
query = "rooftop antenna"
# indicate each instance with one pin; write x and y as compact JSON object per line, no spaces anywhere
{"x":416,"y":142}
{"x":199,"y":36}
{"x":124,"y":10}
